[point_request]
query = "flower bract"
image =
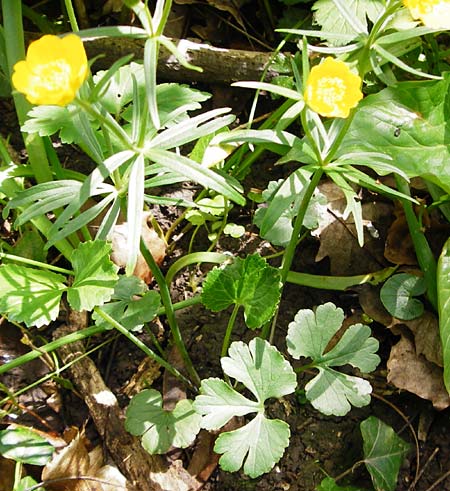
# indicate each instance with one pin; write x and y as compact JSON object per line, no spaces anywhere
{"x":53,"y":70}
{"x":332,"y":89}
{"x":432,"y":13}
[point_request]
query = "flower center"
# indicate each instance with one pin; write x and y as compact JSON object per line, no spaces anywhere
{"x":331,"y":90}
{"x":52,"y":76}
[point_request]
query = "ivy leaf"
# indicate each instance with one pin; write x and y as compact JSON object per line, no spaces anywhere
{"x":332,"y":392}
{"x":250,"y":283}
{"x":30,"y":295}
{"x":161,"y":429}
{"x":329,"y":484}
{"x":397,"y":295}
{"x":384,"y":452}
{"x":331,"y":18}
{"x":95,"y":275}
{"x":133,"y":305}
{"x":408,"y":122}
{"x":265,"y":373}
{"x":25,"y":445}
{"x":48,"y":120}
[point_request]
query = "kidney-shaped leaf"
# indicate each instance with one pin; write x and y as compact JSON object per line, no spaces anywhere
{"x":384,"y":452}
{"x":161,"y":429}
{"x":397,"y":295}
{"x":332,"y":392}
{"x":26,"y":446}
{"x":249,"y":282}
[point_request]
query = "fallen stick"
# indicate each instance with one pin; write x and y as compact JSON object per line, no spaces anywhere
{"x":220,"y":65}
{"x":145,"y":472}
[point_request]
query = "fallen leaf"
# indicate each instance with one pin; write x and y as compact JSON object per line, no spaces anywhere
{"x":338,"y":239}
{"x":7,"y":474}
{"x":412,"y":372}
{"x":399,"y":248}
{"x":154,"y":243}
{"x":71,"y":468}
{"x":148,"y":371}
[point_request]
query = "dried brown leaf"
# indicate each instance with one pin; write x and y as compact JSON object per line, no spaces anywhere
{"x":412,"y":372}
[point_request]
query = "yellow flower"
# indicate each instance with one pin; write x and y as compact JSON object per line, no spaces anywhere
{"x":432,"y":13}
{"x":332,"y":89}
{"x":53,"y":70}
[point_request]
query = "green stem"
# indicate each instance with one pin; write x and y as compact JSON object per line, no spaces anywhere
{"x":15,"y":51}
{"x":226,"y":339}
{"x":129,"y":335}
{"x":17,"y":475}
{"x":71,"y":14}
{"x":288,"y":256}
{"x":170,"y":312}
{"x":425,"y":256}
{"x":49,"y":347}
{"x":32,"y":262}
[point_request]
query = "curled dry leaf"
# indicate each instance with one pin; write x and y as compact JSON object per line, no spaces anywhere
{"x":75,"y":461}
{"x":427,"y":381}
{"x":154,"y":243}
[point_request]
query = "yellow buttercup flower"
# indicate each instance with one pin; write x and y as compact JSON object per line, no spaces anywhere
{"x":432,"y":13}
{"x":53,"y":71}
{"x":332,"y":89}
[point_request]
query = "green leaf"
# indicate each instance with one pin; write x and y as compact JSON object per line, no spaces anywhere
{"x":329,"y":484}
{"x":265,"y":373}
{"x":351,"y":18}
{"x":247,"y":443}
{"x":26,"y":483}
{"x":443,"y":283}
{"x":397,"y":295}
{"x":134,"y":305}
{"x":161,"y":429}
{"x":30,"y":295}
{"x":234,"y":230}
{"x":95,"y":276}
{"x":24,"y":445}
{"x":119,"y":90}
{"x":283,"y":201}
{"x":48,"y":120}
{"x":409,"y":123}
{"x":383,"y":451}
{"x":332,"y":392}
{"x":248,"y":282}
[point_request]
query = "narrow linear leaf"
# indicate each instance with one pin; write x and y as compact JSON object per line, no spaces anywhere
{"x":443,"y":283}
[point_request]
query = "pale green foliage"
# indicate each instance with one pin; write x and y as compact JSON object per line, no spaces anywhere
{"x":160,"y":428}
{"x":397,"y":295}
{"x":25,"y":445}
{"x":332,"y":392}
{"x":265,"y":373}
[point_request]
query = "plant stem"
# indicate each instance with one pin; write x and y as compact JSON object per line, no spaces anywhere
{"x":425,"y":256}
{"x":170,"y":312}
{"x":15,"y":51}
{"x":49,"y":347}
{"x":142,"y":346}
{"x":288,"y":256}
{"x":71,"y":14}
{"x":32,"y":262}
{"x":226,"y":339}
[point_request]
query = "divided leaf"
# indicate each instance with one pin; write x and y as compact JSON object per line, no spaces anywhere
{"x":259,"y":444}
{"x":161,"y":429}
{"x":30,"y":295}
{"x":95,"y":275}
{"x":133,"y":305}
{"x":332,"y":392}
{"x":248,"y":282}
{"x":384,"y":452}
